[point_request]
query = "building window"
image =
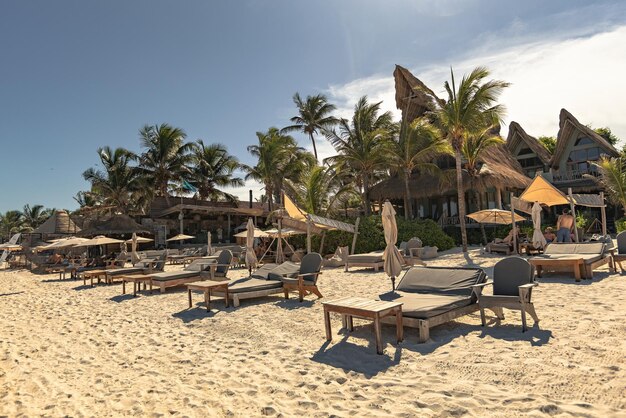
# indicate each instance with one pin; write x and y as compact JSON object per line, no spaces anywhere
{"x":578,"y":159}
{"x":583,"y":141}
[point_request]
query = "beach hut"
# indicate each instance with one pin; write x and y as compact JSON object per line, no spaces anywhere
{"x":118,"y":224}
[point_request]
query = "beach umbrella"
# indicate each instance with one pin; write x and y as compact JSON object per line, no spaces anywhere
{"x":495,"y":216}
{"x":251,"y":260}
{"x":209,"y":249}
{"x":98,"y":240}
{"x":140,"y":240}
{"x":257,"y":234}
{"x":392,"y":259}
{"x":66,"y":242}
{"x":539,"y":241}
{"x":180,"y":237}
{"x":134,"y":257}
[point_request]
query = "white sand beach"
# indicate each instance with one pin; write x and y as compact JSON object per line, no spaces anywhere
{"x":66,"y":349}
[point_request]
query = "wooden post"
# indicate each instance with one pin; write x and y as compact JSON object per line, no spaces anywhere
{"x":228,"y":230}
{"x":603,"y":213}
{"x":308,"y":235}
{"x":573,"y":209}
{"x":322,"y":242}
{"x":279,"y":244}
{"x":356,"y":234}
{"x":514,"y":225}
{"x":498,"y":198}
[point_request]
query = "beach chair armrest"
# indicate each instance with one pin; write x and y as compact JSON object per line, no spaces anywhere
{"x":477,"y":289}
{"x":525,"y":291}
{"x":529,"y":285}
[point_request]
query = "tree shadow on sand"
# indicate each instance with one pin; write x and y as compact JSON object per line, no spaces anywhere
{"x":198,"y":312}
{"x":11,"y":294}
{"x":568,"y":278}
{"x":122,"y":298}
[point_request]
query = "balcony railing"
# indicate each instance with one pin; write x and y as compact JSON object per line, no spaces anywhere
{"x":573,"y":175}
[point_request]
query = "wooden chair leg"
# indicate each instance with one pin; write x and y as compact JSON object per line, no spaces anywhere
{"x":286,"y":290}
{"x":301,"y":289}
{"x":316,"y":291}
{"x":530,"y":308}
{"x":482,"y":316}
{"x":523,"y":317}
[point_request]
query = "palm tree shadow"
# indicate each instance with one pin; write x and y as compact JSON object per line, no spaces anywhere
{"x":122,"y":298}
{"x":196,"y":313}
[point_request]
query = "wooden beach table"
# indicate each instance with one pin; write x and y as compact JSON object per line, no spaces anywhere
{"x":90,"y":274}
{"x":206,"y":287}
{"x":577,"y":264}
{"x":137,"y":280}
{"x":57,"y":269}
{"x":364,"y":308}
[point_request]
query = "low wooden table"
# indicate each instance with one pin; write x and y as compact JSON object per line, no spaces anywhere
{"x":90,"y":274}
{"x":137,"y":280}
{"x":57,"y":269}
{"x":207,"y":286}
{"x":576,"y":264}
{"x":364,"y":308}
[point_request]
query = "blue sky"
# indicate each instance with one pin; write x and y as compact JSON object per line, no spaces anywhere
{"x":77,"y":75}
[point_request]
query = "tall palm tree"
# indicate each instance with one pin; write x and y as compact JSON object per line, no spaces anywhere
{"x":166,"y":157}
{"x":10,"y":222}
{"x":117,"y":187}
{"x":416,"y":148}
{"x":33,"y":216}
{"x":362,"y":145}
{"x":278,"y":159}
{"x":314,"y":116}
{"x":469,"y":109}
{"x":320,"y":191}
{"x":213,"y":167}
{"x":612,"y":179}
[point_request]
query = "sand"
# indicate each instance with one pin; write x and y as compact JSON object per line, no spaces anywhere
{"x":66,"y":349}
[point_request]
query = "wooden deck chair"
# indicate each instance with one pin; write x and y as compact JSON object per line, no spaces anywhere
{"x":306,"y":280}
{"x":224,"y":262}
{"x":621,"y":250}
{"x":513,"y":280}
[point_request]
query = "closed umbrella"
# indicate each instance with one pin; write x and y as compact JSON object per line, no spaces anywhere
{"x":251,"y":260}
{"x":209,"y":249}
{"x":539,"y":241}
{"x":134,"y":257}
{"x":392,"y":258}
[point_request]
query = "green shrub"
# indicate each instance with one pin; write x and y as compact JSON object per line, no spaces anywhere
{"x":371,"y":237}
{"x":620,"y":224}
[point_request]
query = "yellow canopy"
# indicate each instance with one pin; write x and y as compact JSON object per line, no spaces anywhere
{"x":540,"y":190}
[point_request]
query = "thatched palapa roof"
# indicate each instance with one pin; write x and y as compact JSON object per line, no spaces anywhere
{"x":59,"y":223}
{"x":115,"y":225}
{"x":411,"y":96}
{"x":567,"y":125}
{"x":517,"y":134}
{"x":499,"y":170}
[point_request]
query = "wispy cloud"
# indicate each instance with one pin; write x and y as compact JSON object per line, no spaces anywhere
{"x":581,"y":74}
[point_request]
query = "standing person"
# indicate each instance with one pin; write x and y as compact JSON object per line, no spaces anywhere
{"x":564,"y":226}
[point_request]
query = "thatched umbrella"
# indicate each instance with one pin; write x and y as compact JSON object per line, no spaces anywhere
{"x":391,"y":256}
{"x":115,"y":225}
{"x":251,"y":260}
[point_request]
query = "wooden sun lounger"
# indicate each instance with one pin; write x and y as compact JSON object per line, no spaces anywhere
{"x":356,"y":260}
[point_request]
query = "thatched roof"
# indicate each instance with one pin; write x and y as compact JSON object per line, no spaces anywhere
{"x":59,"y":223}
{"x":410,"y":91}
{"x":115,"y":225}
{"x":568,"y":124}
{"x":517,"y":134}
{"x":499,"y":169}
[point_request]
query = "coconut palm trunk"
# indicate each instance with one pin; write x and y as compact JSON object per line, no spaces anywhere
{"x":408,"y":210}
{"x":366,"y":195}
{"x":461,"y":195}
{"x":314,"y":146}
{"x":480,"y":206}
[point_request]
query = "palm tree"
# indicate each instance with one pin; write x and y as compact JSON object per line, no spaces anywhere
{"x":612,"y":179}
{"x":213,"y":168}
{"x":314,"y":116}
{"x":278,"y":159}
{"x":469,"y":109}
{"x":10,"y":222}
{"x":320,"y":191}
{"x":117,"y":187}
{"x":166,"y":157}
{"x":415,"y":149}
{"x":363,"y":145}
{"x":33,"y":216}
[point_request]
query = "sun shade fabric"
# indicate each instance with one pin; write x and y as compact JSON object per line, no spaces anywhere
{"x":180,"y":237}
{"x":589,"y":200}
{"x":522,"y":205}
{"x":297,"y":214}
{"x":494,"y":216}
{"x":65,"y":242}
{"x":251,"y":260}
{"x":542,"y":191}
{"x":539,"y":241}
{"x":392,"y":259}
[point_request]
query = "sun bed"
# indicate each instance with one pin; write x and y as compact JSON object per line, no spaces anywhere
{"x":582,"y":258}
{"x":621,"y":250}
{"x":145,"y":266}
{"x":373,"y":260}
{"x":198,"y":269}
{"x":432,"y":296}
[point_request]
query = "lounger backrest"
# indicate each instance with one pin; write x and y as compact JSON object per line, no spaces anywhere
{"x":441,"y":280}
{"x":311,"y":263}
{"x":199,"y":265}
{"x":509,"y":274}
{"x":286,"y":269}
{"x":579,"y":248}
{"x":621,"y":242}
{"x":264,"y":271}
{"x":160,"y":263}
{"x":225,"y":258}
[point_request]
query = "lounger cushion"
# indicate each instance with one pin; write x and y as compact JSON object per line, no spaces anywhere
{"x":264,"y":271}
{"x":373,"y":257}
{"x":441,"y":280}
{"x":248,"y":284}
{"x":424,"y":305}
{"x":286,"y":269}
{"x":122,"y":271}
{"x":587,"y":258}
{"x":173,"y":275}
{"x":578,"y":248}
